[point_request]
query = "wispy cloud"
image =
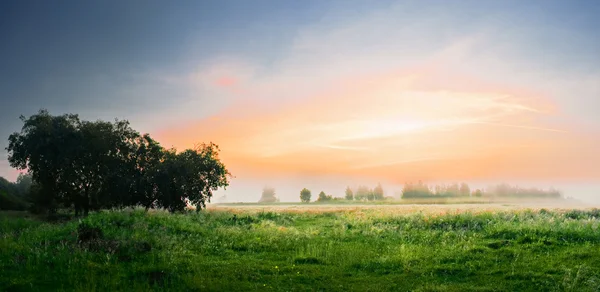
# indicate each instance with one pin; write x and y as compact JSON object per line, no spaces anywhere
{"x":524,"y":127}
{"x":378,"y":96}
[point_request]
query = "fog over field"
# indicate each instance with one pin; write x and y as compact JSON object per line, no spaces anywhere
{"x":288,"y":190}
{"x":326,"y":94}
{"x":313,"y":145}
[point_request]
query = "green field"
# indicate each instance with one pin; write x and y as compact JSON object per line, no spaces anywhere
{"x":423,"y":248}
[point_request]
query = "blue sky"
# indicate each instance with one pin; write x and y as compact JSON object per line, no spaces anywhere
{"x":154,"y":62}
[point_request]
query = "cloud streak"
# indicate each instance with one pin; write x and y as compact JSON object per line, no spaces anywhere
{"x":371,"y":100}
{"x":389,"y":91}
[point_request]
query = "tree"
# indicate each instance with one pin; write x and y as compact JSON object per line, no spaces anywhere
{"x":268,"y":195}
{"x":190,"y":177}
{"x":100,"y":175}
{"x":362,"y":193}
{"x":370,"y":195}
{"x":305,"y":195}
{"x":419,"y":190}
{"x":349,"y":194}
{"x":477,"y":193}
{"x":93,"y":165}
{"x":323,"y":197}
{"x":453,"y":190}
{"x":44,"y":148}
{"x":464,"y":190}
{"x":144,"y":164}
{"x":378,"y":192}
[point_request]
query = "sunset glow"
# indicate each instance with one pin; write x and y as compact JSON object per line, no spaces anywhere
{"x":330,"y":93}
{"x":399,"y":126}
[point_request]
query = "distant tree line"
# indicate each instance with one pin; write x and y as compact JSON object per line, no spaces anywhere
{"x":86,"y":166}
{"x":455,"y":190}
{"x":364,"y":193}
{"x":421,"y":190}
{"x":507,"y":191}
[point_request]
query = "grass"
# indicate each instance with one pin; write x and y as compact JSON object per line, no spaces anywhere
{"x":373,"y":249}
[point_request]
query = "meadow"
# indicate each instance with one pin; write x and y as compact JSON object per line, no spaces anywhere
{"x":305,"y":248}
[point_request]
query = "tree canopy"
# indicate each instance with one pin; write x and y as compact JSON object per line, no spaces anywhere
{"x":89,"y":166}
{"x":349,"y":194}
{"x":305,"y":195}
{"x":324,"y":197}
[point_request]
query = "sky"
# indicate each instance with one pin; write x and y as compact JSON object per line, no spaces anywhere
{"x":325,"y":94}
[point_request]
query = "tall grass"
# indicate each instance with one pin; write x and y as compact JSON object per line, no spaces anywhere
{"x":363,"y":250}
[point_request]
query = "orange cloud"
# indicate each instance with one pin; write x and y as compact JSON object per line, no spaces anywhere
{"x":405,"y":125}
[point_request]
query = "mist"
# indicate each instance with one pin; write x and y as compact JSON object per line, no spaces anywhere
{"x":288,"y":189}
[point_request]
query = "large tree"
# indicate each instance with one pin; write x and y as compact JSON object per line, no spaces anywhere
{"x":144,"y":164}
{"x":100,"y":176}
{"x":94,"y":165}
{"x":45,"y":147}
{"x":190,"y":177}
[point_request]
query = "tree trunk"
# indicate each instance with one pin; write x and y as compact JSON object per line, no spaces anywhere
{"x":86,"y":203}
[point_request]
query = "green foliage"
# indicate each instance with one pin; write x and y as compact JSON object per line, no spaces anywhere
{"x":23,"y":184}
{"x":9,"y":201}
{"x":189,"y":177}
{"x":99,"y":165}
{"x":323,"y":197}
{"x":349,"y":194}
{"x":15,"y":196}
{"x":305,"y":195}
{"x":350,"y":250}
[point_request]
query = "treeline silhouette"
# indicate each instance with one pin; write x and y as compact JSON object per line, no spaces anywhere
{"x":421,"y":190}
{"x":85,"y":166}
{"x":455,"y":190}
{"x":364,"y":193}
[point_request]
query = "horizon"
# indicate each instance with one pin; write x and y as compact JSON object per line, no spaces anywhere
{"x":326,"y":94}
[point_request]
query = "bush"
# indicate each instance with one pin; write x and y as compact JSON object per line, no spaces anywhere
{"x":12,"y":202}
